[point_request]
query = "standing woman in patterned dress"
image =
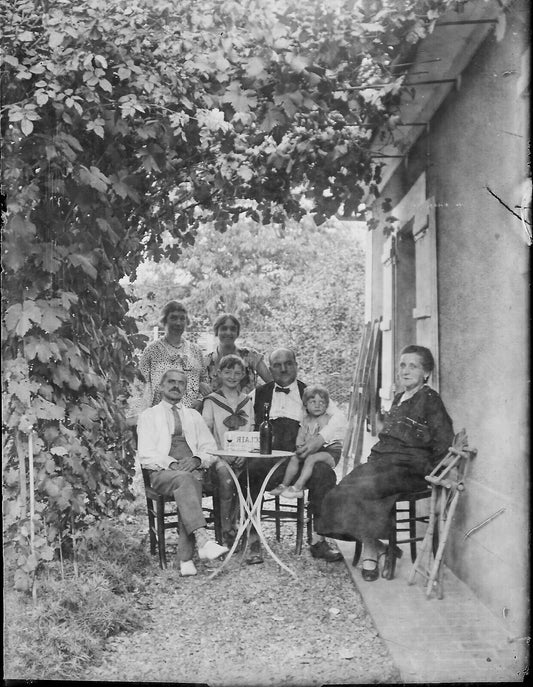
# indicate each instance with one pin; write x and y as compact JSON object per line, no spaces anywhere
{"x":173,"y":351}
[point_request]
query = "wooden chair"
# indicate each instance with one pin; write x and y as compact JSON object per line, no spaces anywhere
{"x":283,"y":512}
{"x":161,"y":519}
{"x":401,"y":525}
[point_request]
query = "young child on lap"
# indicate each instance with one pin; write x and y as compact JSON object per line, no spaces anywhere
{"x":316,"y":402}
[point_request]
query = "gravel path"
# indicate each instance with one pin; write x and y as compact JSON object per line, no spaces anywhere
{"x":251,"y":625}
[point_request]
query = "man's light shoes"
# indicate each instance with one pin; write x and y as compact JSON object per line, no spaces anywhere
{"x":187,"y":568}
{"x":211,"y":550}
{"x":208,"y":552}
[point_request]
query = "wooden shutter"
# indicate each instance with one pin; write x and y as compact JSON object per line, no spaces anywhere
{"x":369,"y":274}
{"x":387,"y":389}
{"x":426,"y":311}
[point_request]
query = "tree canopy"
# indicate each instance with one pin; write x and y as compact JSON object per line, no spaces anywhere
{"x":302,"y":288}
{"x":125,"y":119}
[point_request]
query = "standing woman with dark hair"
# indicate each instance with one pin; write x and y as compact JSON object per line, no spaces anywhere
{"x":416,"y":434}
{"x":227,"y":328}
{"x":170,"y":352}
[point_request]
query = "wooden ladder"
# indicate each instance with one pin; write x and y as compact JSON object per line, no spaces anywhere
{"x":363,"y":396}
{"x":447,"y":484}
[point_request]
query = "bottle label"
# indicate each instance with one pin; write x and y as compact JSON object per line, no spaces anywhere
{"x":241,"y":441}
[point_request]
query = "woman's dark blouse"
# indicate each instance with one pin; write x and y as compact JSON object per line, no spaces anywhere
{"x":419,"y":427}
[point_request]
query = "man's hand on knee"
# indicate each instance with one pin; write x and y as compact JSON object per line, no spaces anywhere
{"x":189,"y":464}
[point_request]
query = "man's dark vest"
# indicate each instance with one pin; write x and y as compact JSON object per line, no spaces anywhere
{"x":285,"y":429}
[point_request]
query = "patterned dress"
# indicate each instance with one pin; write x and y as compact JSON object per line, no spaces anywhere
{"x":251,"y":358}
{"x":160,"y":356}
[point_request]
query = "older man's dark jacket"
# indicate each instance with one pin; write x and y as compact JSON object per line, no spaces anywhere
{"x":285,"y":431}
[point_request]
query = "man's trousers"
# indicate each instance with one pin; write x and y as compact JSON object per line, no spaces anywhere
{"x":186,"y":488}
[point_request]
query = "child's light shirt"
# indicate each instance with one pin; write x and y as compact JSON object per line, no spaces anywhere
{"x":332,"y":426}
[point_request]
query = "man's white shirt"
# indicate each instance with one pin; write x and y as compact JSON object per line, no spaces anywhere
{"x":154,"y":431}
{"x":287,"y":405}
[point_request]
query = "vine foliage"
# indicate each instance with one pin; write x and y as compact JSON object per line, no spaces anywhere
{"x":125,"y":119}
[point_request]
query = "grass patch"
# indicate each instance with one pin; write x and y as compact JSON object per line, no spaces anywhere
{"x":66,"y":628}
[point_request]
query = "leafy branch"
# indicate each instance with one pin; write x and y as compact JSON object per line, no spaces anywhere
{"x":122,"y":121}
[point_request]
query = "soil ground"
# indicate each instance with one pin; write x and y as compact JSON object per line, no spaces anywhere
{"x":251,"y":625}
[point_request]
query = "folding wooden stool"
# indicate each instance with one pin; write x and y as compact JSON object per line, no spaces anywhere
{"x":447,"y":484}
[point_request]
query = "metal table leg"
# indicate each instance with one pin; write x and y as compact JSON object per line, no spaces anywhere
{"x":253,"y":518}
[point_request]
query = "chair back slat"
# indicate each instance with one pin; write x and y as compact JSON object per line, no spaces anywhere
{"x":146,"y":477}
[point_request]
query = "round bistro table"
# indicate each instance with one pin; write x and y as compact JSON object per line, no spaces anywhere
{"x":250,"y":510}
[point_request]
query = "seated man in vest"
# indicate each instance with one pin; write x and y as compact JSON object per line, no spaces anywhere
{"x":174,"y":443}
{"x":284,"y":395}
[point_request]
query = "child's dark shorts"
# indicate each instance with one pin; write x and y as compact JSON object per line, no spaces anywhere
{"x":334,"y":450}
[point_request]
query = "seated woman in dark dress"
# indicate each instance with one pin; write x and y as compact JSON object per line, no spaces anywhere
{"x":416,"y":434}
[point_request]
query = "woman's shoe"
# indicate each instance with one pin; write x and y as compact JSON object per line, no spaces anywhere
{"x":369,"y":575}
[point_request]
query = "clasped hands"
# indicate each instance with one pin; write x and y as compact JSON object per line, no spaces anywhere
{"x":236,"y":461}
{"x":311,"y":445}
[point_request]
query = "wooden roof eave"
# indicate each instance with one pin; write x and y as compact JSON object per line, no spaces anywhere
{"x":436,"y":69}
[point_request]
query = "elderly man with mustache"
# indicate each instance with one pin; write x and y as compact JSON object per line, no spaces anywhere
{"x":174,"y":443}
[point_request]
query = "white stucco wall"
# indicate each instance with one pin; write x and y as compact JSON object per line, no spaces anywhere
{"x":477,"y":139}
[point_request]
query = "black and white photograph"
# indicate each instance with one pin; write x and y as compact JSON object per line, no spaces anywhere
{"x":265,"y":341}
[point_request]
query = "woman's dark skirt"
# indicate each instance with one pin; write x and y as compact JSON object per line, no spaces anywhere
{"x":361,"y":505}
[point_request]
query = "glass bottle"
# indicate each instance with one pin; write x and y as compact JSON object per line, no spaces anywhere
{"x":265,"y":431}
